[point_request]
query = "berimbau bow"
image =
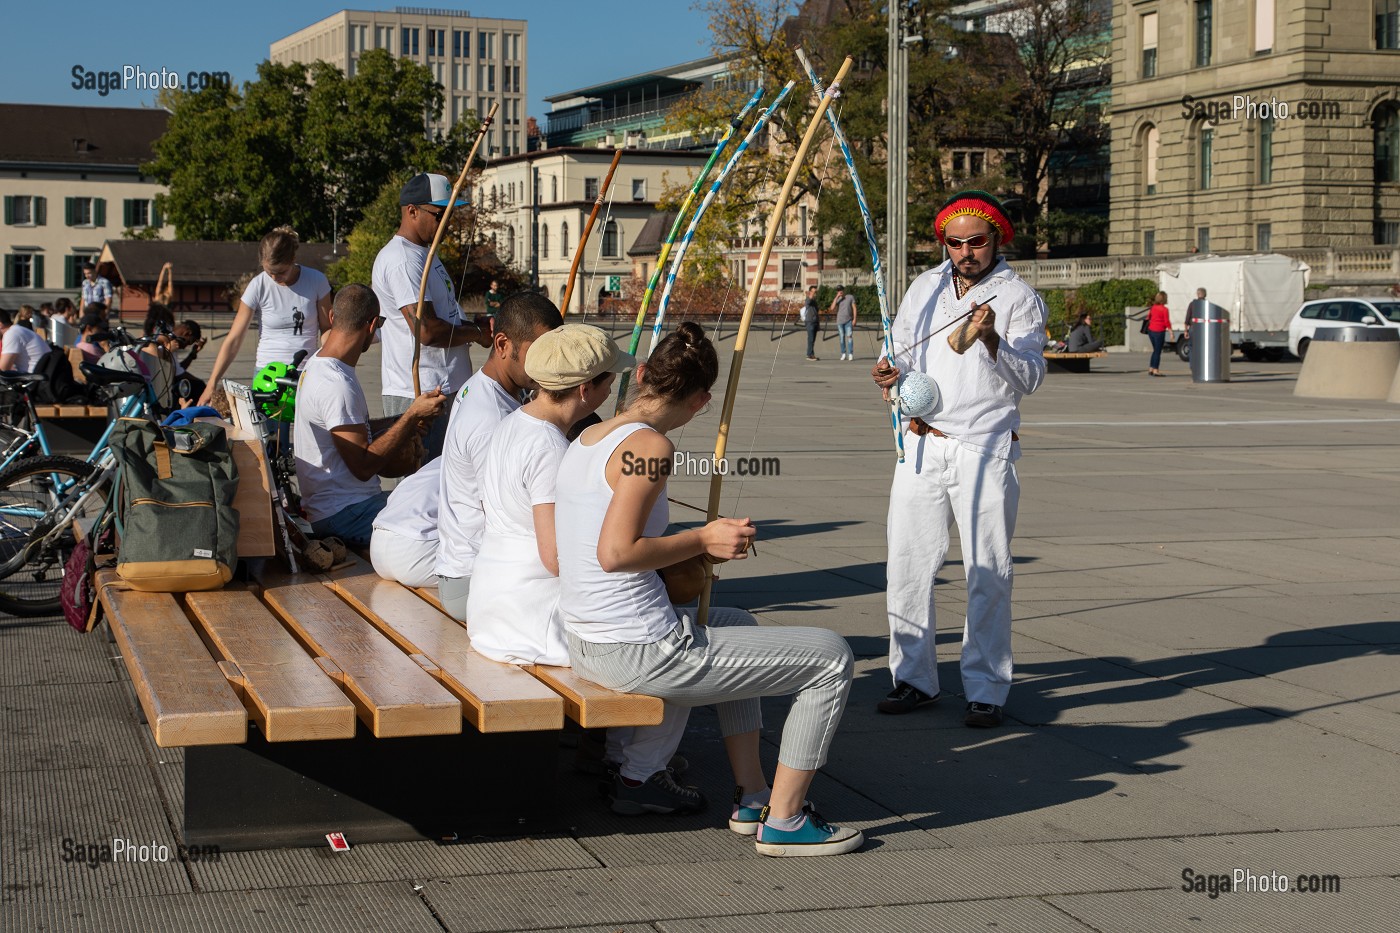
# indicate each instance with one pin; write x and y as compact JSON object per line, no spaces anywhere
{"x":437,"y":239}
{"x":731,"y":391}
{"x":734,"y":123}
{"x":871,"y":242}
{"x":587,"y":229}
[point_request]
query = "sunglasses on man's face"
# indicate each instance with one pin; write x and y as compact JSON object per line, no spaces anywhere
{"x":971,"y":242}
{"x":379,"y":321}
{"x":436,"y":215}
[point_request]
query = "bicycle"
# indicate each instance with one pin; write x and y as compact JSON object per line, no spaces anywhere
{"x":43,"y":497}
{"x":22,"y":432}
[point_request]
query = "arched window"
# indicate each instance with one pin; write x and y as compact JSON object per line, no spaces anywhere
{"x":564,"y":240}
{"x":610,"y":240}
{"x":1387,"y":125}
{"x":494,"y":202}
{"x":510,"y":244}
{"x":544,"y":241}
{"x":1150,"y":141}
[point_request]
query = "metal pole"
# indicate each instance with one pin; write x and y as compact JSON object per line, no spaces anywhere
{"x":535,"y":228}
{"x":897,"y":202}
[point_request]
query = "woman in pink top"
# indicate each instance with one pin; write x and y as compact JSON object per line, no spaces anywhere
{"x":1159,"y":325}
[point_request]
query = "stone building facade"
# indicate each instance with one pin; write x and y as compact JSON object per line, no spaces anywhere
{"x":1242,"y":125}
{"x":477,"y":60}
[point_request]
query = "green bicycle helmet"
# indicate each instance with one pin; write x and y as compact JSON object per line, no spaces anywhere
{"x":282,"y":407}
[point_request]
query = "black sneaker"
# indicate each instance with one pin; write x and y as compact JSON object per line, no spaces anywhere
{"x":905,"y":698}
{"x":660,"y":794}
{"x":982,"y":716}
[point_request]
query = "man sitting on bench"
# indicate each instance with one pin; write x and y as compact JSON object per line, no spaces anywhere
{"x":1081,"y":338}
{"x":405,"y":543}
{"x":340,"y":453}
{"x":492,"y":393}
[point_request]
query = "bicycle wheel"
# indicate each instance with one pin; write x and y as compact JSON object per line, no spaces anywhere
{"x":31,"y":493}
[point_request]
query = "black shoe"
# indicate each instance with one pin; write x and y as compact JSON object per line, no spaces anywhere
{"x":982,"y":716}
{"x":659,"y":794}
{"x":905,"y":699}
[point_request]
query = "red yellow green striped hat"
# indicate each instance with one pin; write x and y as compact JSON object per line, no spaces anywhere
{"x":978,"y":203}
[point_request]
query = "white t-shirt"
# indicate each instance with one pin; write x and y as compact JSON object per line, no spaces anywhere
{"x":412,"y":509}
{"x":29,"y":346}
{"x":287,"y":314}
{"x":477,"y":411}
{"x":513,"y":607}
{"x":328,"y":396}
{"x":598,"y":606}
{"x":398,"y":269}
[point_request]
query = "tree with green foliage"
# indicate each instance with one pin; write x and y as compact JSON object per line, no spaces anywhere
{"x":301,"y":145}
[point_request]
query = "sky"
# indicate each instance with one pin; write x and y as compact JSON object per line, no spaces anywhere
{"x":571,"y":44}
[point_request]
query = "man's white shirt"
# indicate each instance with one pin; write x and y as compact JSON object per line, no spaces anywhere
{"x":980,"y":397}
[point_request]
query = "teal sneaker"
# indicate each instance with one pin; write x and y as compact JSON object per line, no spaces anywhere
{"x":746,"y":820}
{"x":814,"y":837}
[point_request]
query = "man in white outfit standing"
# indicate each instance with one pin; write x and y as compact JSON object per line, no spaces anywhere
{"x":960,"y":458}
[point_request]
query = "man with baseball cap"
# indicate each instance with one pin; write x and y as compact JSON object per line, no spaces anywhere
{"x":444,"y":331}
{"x":960,"y":459}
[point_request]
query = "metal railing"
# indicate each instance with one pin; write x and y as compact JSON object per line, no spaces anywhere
{"x":1353,"y":265}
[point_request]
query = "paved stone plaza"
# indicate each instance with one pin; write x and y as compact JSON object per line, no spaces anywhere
{"x":1207,"y":621}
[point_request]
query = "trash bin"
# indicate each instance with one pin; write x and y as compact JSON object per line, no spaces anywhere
{"x":1209,"y":326}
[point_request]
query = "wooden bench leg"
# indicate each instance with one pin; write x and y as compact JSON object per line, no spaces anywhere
{"x":263,"y":795}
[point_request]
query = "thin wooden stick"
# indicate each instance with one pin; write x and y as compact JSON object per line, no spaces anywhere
{"x":588,"y":229}
{"x":437,"y":239}
{"x":731,"y":392}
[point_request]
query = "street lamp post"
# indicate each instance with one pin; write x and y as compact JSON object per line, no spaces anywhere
{"x":897,"y":163}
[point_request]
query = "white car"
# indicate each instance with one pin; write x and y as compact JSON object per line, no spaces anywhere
{"x":1339,"y":312}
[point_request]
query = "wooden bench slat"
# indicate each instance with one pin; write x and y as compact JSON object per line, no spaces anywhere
{"x":287,"y":694}
{"x":392,"y":694}
{"x":585,"y":702}
{"x":495,"y":697}
{"x":595,"y":707}
{"x":429,"y":594}
{"x":186,"y":697}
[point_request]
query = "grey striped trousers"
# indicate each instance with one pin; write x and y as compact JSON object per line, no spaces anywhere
{"x":730,"y":664}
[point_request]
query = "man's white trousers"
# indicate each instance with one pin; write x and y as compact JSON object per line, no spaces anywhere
{"x":939,"y":482}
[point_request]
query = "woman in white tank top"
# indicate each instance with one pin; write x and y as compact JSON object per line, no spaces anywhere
{"x":623,"y":632}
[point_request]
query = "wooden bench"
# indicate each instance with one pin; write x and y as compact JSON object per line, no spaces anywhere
{"x":346,"y":703}
{"x":1069,"y":362}
{"x":1073,"y":362}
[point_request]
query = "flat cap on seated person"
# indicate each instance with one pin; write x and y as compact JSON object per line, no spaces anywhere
{"x":572,"y":354}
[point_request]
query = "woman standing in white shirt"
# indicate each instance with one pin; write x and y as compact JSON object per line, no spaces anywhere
{"x":293,"y":303}
{"x":624,"y":633}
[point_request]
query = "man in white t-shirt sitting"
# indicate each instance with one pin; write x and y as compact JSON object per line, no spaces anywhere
{"x":340,"y":453}
{"x":405,"y":543}
{"x":22,"y":349}
{"x":481,"y":405}
{"x":444,"y":331}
